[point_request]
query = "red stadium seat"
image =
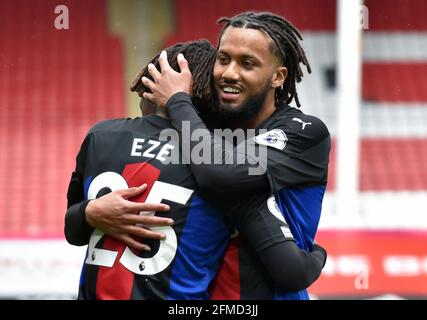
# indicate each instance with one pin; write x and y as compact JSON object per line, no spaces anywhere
{"x":389,"y":165}
{"x":200,"y":22}
{"x":394,"y":82}
{"x":54,"y":85}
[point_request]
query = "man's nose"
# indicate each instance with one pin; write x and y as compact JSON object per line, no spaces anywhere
{"x":231,"y":72}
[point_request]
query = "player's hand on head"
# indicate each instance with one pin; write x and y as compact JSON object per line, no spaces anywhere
{"x":166,"y":82}
{"x":120,"y":218}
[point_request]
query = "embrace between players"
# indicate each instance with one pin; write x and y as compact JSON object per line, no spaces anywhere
{"x":185,"y":229}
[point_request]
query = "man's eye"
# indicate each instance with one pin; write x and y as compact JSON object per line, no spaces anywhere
{"x":248,"y":64}
{"x":222,"y":60}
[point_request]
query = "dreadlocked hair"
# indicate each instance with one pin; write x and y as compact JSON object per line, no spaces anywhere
{"x":285,"y":46}
{"x":200,"y":56}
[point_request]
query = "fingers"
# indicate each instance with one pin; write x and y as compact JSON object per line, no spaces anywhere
{"x":145,"y":233}
{"x":142,"y":233}
{"x":148,"y":83}
{"x":152,"y":70}
{"x":149,"y":97}
{"x":148,"y":220}
{"x":151,"y":207}
{"x":163,"y":61}
{"x":152,"y":87}
{"x":132,"y":243}
{"x":148,"y":208}
{"x":132,"y":192}
{"x":137,"y":207}
{"x":183,"y":63}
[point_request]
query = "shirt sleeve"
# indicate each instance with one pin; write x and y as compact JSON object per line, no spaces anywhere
{"x":292,"y":268}
{"x":294,"y":157}
{"x":298,"y":158}
{"x":76,"y":229}
{"x":265,"y":231}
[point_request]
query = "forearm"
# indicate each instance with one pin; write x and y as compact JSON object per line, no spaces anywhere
{"x":292,"y":268}
{"x":269,"y":237}
{"x":77,"y":230}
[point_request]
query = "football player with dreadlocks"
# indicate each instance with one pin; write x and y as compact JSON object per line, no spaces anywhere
{"x":122,"y":153}
{"x":254,"y":80}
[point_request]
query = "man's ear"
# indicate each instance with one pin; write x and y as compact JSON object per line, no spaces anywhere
{"x":279,"y":77}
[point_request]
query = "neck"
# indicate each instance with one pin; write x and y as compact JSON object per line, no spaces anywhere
{"x":161,"y":113}
{"x":266,"y":111}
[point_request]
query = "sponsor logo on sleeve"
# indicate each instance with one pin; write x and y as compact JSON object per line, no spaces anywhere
{"x":275,"y":138}
{"x":302,"y":123}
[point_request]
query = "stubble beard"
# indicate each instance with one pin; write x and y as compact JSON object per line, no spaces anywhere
{"x":243,"y":113}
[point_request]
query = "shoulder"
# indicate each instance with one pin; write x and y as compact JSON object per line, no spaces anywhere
{"x":112,"y":125}
{"x":305,"y":124}
{"x":303,"y":131}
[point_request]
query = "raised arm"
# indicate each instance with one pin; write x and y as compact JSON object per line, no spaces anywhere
{"x":304,"y":162}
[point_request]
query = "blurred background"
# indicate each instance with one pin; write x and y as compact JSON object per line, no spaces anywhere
{"x":59,"y":77}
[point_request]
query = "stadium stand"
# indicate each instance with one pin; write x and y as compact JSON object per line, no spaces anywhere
{"x":389,"y":79}
{"x":54,"y":85}
{"x":393,"y":144}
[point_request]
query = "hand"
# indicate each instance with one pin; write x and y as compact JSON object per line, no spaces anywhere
{"x":117,"y":217}
{"x":168,"y":82}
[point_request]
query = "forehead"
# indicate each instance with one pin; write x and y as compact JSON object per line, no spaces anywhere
{"x":246,"y":41}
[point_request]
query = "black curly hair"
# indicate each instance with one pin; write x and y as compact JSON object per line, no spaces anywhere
{"x":286,"y":46}
{"x":200,"y":55}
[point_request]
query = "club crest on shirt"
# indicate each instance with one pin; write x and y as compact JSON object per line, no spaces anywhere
{"x":275,"y":138}
{"x":275,"y":211}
